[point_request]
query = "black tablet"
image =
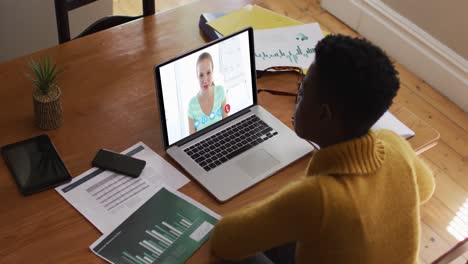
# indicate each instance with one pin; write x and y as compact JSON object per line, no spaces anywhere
{"x":35,"y":164}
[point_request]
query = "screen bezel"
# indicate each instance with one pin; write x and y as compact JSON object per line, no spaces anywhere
{"x":160,"y":94}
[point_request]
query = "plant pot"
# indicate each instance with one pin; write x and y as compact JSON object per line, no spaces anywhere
{"x":48,"y":109}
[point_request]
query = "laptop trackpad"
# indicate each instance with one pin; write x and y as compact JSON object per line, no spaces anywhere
{"x":257,"y":163}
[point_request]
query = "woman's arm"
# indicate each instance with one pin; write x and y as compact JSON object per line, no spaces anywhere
{"x":191,"y":124}
{"x":424,"y":179}
{"x":223,"y":108}
{"x":289,"y":215}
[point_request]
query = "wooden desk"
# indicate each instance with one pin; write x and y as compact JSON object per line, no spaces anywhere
{"x":109,"y":102}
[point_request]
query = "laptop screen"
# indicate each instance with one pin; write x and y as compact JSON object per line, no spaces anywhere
{"x":205,"y":86}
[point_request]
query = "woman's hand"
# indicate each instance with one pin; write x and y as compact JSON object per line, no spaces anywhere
{"x":213,"y":259}
{"x":223,"y":109}
{"x":191,"y":124}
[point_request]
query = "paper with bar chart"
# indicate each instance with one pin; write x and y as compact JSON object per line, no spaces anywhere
{"x":168,"y":228}
{"x":286,"y":46}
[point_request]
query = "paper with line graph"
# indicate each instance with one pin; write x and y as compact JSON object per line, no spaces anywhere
{"x":106,"y":198}
{"x":168,"y":228}
{"x":286,"y":46}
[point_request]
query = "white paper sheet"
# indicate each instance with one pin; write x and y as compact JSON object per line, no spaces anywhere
{"x":106,"y":199}
{"x":390,"y":122}
{"x":286,"y":46}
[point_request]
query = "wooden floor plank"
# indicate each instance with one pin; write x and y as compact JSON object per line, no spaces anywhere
{"x":434,"y":98}
{"x":455,"y":136}
{"x":135,"y":8}
{"x":450,"y":162}
{"x":438,"y":216}
{"x":432,"y":245}
{"x":334,"y":24}
{"x":127,"y":8}
{"x":311,"y":8}
{"x":162,"y":5}
{"x":447,"y":190}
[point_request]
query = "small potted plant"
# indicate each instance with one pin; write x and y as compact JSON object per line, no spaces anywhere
{"x":46,"y":94}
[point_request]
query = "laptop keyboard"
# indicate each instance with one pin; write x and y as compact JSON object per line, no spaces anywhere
{"x":230,"y":142}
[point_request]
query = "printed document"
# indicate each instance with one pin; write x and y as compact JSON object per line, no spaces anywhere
{"x":286,"y":46}
{"x":106,"y":198}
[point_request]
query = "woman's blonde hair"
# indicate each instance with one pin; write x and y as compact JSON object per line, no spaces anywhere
{"x":205,"y":56}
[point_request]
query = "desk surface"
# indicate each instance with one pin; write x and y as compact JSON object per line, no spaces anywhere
{"x":109,"y":102}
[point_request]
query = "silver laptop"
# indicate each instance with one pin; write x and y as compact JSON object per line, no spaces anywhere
{"x":211,"y":122}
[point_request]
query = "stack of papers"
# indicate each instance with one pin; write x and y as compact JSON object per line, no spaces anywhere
{"x":279,"y":40}
{"x":144,"y":219}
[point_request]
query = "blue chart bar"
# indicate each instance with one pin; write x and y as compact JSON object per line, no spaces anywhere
{"x":159,"y":239}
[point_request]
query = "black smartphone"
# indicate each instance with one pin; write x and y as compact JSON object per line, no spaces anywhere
{"x":120,"y":163}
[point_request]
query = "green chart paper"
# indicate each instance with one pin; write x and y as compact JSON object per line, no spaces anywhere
{"x":166,"y":229}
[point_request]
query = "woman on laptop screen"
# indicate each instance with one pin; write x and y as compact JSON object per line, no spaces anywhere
{"x":208,"y":105}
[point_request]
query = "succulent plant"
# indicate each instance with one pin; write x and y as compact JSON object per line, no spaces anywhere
{"x":44,"y":75}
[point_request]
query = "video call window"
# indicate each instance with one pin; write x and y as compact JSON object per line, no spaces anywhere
{"x":206,"y":86}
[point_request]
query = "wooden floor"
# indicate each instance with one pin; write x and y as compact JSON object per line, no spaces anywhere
{"x":448,"y":160}
{"x":134,"y":7}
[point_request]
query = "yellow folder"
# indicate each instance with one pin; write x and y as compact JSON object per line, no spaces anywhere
{"x":251,"y":15}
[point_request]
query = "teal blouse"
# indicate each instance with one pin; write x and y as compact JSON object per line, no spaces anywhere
{"x":201,"y":120}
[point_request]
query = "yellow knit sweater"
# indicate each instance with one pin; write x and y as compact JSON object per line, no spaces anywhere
{"x":358,"y":203}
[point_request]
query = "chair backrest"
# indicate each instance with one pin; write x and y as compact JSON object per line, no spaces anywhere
{"x":62,"y":7}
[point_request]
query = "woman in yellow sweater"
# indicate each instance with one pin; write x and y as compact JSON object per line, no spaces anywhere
{"x":360,"y":198}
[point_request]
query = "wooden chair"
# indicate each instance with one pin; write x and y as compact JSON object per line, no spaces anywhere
{"x":62,"y":7}
{"x":457,"y":251}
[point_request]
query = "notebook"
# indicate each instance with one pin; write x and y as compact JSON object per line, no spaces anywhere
{"x":211,"y":122}
{"x":209,"y":33}
{"x":251,"y":16}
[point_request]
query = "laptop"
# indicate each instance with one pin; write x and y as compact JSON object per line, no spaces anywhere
{"x":211,"y":122}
